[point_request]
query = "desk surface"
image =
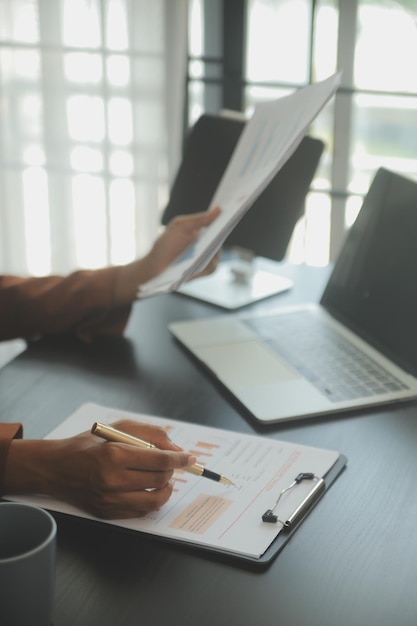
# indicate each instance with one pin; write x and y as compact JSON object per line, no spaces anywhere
{"x":353,"y":560}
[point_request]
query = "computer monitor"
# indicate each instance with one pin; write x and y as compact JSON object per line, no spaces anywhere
{"x":264,"y":231}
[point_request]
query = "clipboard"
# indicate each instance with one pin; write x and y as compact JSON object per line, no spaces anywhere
{"x":205,"y":516}
{"x":279,"y":542}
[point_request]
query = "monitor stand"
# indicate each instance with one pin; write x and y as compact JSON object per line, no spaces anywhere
{"x":239,"y":281}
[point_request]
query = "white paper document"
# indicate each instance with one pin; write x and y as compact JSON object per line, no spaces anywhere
{"x":204,"y":512}
{"x":268,"y":140}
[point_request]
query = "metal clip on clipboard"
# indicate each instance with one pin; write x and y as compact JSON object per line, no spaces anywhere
{"x":319,"y":486}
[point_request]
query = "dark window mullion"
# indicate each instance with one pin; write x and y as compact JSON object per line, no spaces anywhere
{"x":234,"y":35}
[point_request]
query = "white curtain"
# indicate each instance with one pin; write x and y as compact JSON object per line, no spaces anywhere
{"x":91,"y":100}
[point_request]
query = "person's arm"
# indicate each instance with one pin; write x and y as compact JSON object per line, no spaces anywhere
{"x":82,"y":303}
{"x":178,"y":235}
{"x":8,"y":432}
{"x":91,"y":302}
{"x":108,"y":480}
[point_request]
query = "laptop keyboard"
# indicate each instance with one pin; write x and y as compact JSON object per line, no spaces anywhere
{"x":338,"y":369}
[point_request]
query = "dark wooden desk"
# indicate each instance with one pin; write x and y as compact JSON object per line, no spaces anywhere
{"x":353,"y":562}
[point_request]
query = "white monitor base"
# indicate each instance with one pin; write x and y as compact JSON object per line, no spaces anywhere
{"x":235,"y":284}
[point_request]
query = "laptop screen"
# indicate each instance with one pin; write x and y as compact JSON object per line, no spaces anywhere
{"x":373,"y":287}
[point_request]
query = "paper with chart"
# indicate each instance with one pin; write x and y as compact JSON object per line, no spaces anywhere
{"x":268,"y":140}
{"x":204,"y":512}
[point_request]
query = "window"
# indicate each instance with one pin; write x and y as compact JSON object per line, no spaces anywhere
{"x":89,"y":112}
{"x":243,"y":52}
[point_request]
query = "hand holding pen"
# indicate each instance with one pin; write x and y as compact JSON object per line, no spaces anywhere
{"x":133,"y":482}
{"x":110,"y":433}
{"x":108,"y":481}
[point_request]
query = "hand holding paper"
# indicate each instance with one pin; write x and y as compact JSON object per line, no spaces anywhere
{"x":266,"y":143}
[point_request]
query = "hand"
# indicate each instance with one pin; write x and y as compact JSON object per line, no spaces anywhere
{"x":210,"y":267}
{"x":109,"y":480}
{"x":178,"y":235}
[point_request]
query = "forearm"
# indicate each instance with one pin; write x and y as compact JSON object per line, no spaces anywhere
{"x":84,"y":303}
{"x":95,"y":301}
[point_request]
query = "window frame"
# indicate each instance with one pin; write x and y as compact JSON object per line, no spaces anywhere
{"x":225,"y":83}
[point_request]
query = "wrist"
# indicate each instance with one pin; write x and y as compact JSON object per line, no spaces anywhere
{"x":129,"y":279}
{"x":26,"y":467}
{"x":8,"y":432}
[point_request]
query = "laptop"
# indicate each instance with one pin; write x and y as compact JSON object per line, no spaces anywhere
{"x":356,"y":348}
